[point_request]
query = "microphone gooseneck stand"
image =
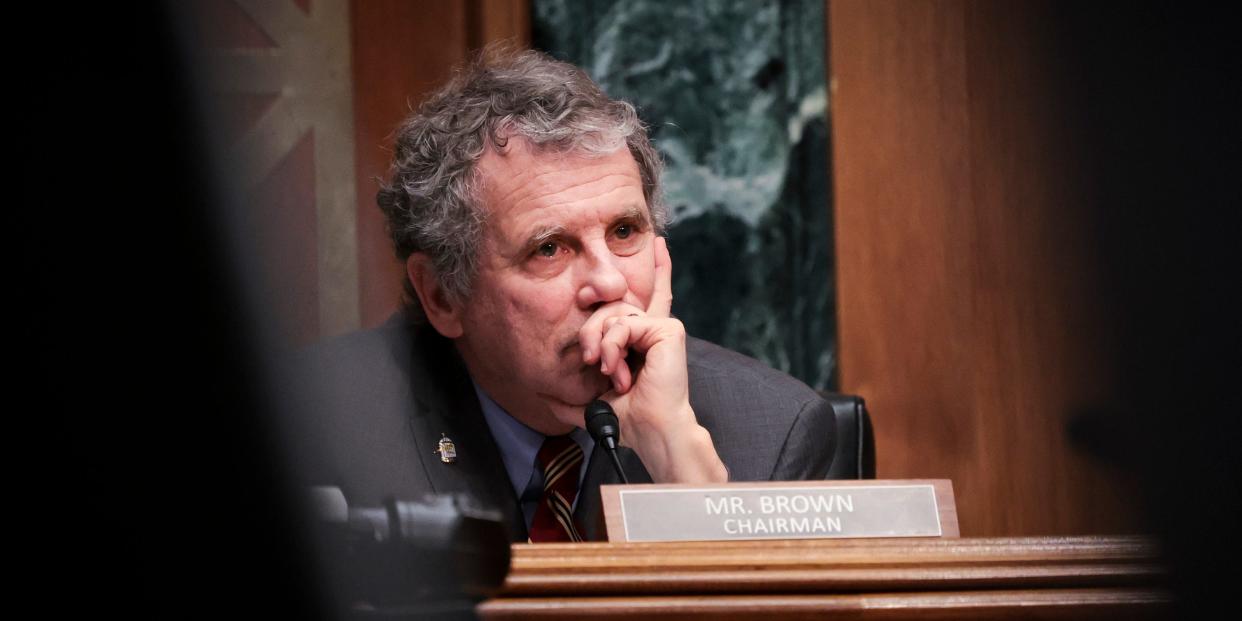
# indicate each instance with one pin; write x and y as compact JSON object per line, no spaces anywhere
{"x":602,"y":424}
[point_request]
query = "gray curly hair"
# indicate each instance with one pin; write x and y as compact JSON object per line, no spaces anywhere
{"x":431,"y":198}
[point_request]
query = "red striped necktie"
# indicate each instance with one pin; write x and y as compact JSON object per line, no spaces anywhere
{"x":559,"y":459}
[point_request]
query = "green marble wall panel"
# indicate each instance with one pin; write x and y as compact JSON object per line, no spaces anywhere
{"x":734,"y":93}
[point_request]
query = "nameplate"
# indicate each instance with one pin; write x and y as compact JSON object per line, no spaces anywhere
{"x":780,"y":510}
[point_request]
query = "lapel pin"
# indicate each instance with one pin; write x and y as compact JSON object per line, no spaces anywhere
{"x":447,"y":450}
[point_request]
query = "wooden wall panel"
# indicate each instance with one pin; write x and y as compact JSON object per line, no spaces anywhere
{"x":402,"y":50}
{"x":499,"y":20}
{"x":965,"y":276}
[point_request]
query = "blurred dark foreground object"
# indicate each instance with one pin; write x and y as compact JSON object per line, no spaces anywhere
{"x":150,"y":372}
{"x":434,"y":559}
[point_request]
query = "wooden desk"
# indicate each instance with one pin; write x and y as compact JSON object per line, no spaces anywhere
{"x":1049,"y":577}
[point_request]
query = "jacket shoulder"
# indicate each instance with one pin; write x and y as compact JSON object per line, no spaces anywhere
{"x":353,"y":402}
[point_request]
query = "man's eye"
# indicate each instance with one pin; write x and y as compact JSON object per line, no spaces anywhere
{"x":547,"y":249}
{"x":624,"y":231}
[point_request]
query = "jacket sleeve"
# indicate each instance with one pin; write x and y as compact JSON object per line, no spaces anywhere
{"x":810,"y":444}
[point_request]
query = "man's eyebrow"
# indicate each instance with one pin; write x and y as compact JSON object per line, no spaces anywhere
{"x":543,"y":234}
{"x":634,"y":212}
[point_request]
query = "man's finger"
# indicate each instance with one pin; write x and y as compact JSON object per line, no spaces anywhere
{"x":622,"y":378}
{"x":643,"y":333}
{"x":614,"y":347}
{"x":662,"y":295}
{"x":596,"y":325}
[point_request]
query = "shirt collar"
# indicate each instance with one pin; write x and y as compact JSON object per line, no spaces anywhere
{"x":520,"y":444}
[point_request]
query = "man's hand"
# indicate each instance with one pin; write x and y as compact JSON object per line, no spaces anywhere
{"x":652,"y":401}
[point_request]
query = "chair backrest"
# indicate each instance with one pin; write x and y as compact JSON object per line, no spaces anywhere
{"x":854,"y":457}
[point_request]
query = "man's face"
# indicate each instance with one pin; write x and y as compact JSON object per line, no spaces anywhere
{"x":565,"y":235}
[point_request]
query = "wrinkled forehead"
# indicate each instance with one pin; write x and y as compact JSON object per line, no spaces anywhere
{"x":522,"y":178}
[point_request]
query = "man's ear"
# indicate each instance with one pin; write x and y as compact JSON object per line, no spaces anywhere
{"x":444,"y":316}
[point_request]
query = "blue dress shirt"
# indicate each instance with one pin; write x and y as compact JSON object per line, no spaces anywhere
{"x":519,"y":445}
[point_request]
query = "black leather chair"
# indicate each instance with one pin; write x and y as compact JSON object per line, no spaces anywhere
{"x":855,"y":453}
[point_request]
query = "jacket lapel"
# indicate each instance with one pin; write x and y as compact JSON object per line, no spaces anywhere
{"x":446,"y":406}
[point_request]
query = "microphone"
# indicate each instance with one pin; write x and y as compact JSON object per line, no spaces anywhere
{"x":602,"y":424}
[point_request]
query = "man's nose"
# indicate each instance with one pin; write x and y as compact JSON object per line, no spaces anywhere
{"x":602,"y":281}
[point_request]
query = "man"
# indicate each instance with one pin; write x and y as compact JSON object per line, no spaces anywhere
{"x":526,"y":207}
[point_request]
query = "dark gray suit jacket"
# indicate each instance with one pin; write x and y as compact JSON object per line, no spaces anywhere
{"x":373,"y":405}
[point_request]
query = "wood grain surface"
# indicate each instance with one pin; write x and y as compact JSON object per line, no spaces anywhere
{"x":1059,"y":577}
{"x":967,"y":283}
